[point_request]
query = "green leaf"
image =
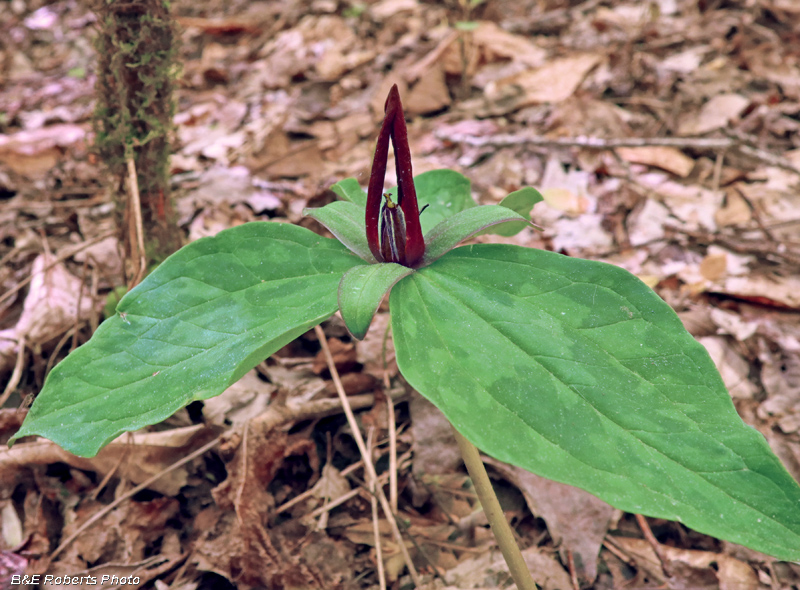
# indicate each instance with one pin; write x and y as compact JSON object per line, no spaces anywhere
{"x":349,"y":190}
{"x":521,"y":201}
{"x":445,"y":192}
{"x":346,"y":221}
{"x":577,"y":371}
{"x":465,"y":224}
{"x":203,"y":318}
{"x":361,"y":290}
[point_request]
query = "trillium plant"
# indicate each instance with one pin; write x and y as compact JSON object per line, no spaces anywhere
{"x":572,"y":369}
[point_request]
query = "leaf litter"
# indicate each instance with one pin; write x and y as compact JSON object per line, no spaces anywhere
{"x":277,"y":102}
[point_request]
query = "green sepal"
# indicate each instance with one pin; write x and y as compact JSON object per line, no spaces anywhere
{"x":345,"y":220}
{"x":361,"y":290}
{"x":465,"y":224}
{"x":207,"y":315}
{"x":349,"y":190}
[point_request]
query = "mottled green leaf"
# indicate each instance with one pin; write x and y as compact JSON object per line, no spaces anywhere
{"x":203,"y":318}
{"x":361,"y":290}
{"x":577,"y":371}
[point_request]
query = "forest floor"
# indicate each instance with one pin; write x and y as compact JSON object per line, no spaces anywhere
{"x":664,"y":138}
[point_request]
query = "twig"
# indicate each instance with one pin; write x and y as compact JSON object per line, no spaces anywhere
{"x":573,"y":575}
{"x":130,"y":493}
{"x":339,"y":501}
{"x":104,"y":482}
{"x":310,"y":492}
{"x":599,"y":143}
{"x":61,"y":258}
{"x":16,"y":374}
{"x":240,"y":490}
{"x":68,"y":204}
{"x":273,"y":417}
{"x":138,"y":225}
{"x":81,"y":289}
{"x":717,"y":172}
{"x":376,"y":529}
{"x":494,"y":513}
{"x":737,"y":244}
{"x":392,"y":428}
{"x":657,"y":548}
{"x":613,"y":548}
{"x":392,"y":456}
{"x":44,"y":452}
{"x":382,"y":478}
{"x":368,"y":466}
{"x":61,"y":343}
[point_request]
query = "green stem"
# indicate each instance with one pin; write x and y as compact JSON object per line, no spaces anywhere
{"x":494,"y":514}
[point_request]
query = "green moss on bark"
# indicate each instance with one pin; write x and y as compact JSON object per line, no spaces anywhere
{"x":135,"y":108}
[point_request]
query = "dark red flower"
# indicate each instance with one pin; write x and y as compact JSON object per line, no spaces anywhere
{"x":394,"y":233}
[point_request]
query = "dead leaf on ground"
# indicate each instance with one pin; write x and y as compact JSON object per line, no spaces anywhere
{"x":33,"y":153}
{"x":489,"y":570}
{"x":577,"y":520}
{"x":50,"y":309}
{"x":556,"y":81}
{"x":666,"y":158}
{"x":730,"y":574}
{"x":434,"y":446}
{"x":734,"y":369}
{"x":715,"y":114}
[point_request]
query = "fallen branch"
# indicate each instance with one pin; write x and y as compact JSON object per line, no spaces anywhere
{"x":599,"y":143}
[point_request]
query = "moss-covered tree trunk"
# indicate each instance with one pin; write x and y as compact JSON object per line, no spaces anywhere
{"x":135,"y":107}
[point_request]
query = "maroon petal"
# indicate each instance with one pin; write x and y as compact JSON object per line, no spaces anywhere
{"x":413,"y":248}
{"x":375,"y":188}
{"x":406,"y":193}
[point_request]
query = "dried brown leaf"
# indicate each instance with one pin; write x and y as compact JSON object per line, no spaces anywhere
{"x":715,"y":114}
{"x":666,"y":158}
{"x":577,"y":520}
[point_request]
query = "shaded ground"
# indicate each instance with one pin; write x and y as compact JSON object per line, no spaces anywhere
{"x":663,"y":135}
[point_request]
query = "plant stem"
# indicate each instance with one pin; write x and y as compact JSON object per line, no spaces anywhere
{"x":494,"y":514}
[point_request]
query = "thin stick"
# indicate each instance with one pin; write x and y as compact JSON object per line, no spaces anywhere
{"x":368,"y":466}
{"x":717,"y":172}
{"x":81,"y":289}
{"x":618,"y":552}
{"x":599,"y":143}
{"x":61,"y":343}
{"x":107,"y":477}
{"x":494,"y":514}
{"x":392,"y":455}
{"x":342,"y":499}
{"x":573,"y":575}
{"x":583,"y":141}
{"x":138,"y":225}
{"x":392,"y":428}
{"x":240,"y":490}
{"x":16,"y":374}
{"x":130,"y":493}
{"x":657,"y":548}
{"x":376,"y":529}
{"x":310,"y":492}
{"x":61,"y":258}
